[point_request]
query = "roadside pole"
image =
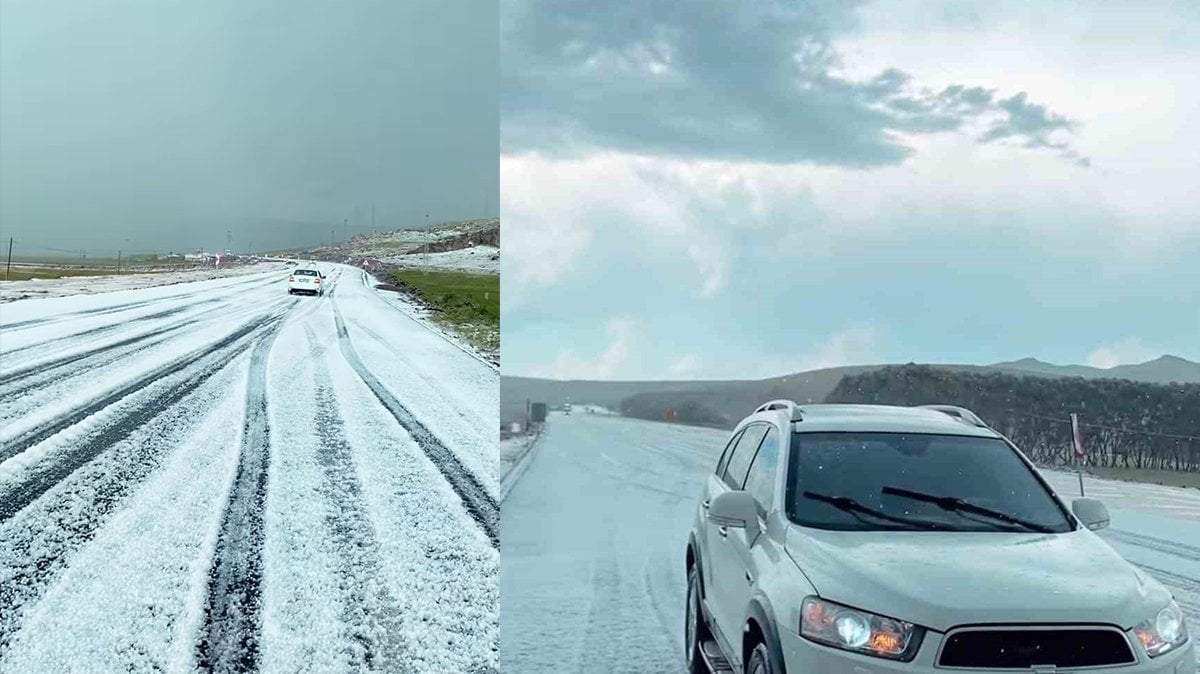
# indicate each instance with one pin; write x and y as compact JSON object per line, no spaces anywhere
{"x":1077,"y":441}
{"x":118,"y":263}
{"x":8,"y":269}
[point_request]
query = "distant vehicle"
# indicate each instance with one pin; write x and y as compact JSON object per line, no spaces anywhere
{"x":306,"y":281}
{"x":567,"y":408}
{"x":867,"y":538}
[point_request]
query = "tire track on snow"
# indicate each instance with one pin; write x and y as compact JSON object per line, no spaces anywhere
{"x":371,"y":613}
{"x":478,"y":502}
{"x":230,"y":634}
{"x":37,"y":549}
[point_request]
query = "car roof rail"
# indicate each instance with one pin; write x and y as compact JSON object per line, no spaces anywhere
{"x":793,"y":410}
{"x":962,"y":414}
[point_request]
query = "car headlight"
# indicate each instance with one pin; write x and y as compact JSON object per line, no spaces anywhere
{"x":1164,"y":632}
{"x":853,"y":630}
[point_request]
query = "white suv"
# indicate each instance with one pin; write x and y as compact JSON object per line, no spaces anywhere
{"x":306,"y":281}
{"x":873,"y":539}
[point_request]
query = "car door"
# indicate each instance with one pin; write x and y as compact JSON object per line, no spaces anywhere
{"x":727,"y":570}
{"x":747,"y":554}
{"x":712,"y":487}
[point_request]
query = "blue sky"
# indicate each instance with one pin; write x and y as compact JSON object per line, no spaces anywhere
{"x":750,"y":189}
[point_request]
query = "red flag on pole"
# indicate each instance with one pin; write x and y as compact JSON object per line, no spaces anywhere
{"x":1077,"y":436}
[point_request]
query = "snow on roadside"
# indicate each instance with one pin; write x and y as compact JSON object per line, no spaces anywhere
{"x":11,"y":291}
{"x":481,"y":259}
{"x":511,"y":451}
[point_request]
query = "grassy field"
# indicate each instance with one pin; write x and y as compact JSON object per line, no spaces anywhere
{"x":26,"y":273}
{"x":1168,"y":478}
{"x":468,"y":304}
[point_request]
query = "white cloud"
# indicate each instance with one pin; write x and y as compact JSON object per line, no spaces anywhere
{"x":557,"y":211}
{"x":856,"y":345}
{"x":542,"y":232}
{"x":606,"y":365}
{"x":1127,"y":351}
{"x":685,"y":365}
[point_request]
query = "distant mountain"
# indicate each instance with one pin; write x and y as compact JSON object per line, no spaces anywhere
{"x":1162,"y":370}
{"x":732,"y":399}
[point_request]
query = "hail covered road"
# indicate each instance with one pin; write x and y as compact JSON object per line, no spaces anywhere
{"x":594,"y":534}
{"x":219,"y":476}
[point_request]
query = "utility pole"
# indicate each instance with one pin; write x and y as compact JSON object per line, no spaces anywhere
{"x":331,"y":238}
{"x":345,"y":228}
{"x":228,"y":240}
{"x":1077,"y":445}
{"x":8,"y":269}
{"x":118,"y":263}
{"x":372,"y":217}
{"x":426,"y":269}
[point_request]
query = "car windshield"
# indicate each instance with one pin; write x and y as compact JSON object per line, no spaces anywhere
{"x":916,"y":482}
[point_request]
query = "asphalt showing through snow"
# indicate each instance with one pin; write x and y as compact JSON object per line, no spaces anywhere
{"x":217,"y":476}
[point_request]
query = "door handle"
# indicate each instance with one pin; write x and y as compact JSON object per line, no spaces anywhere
{"x":724,"y":531}
{"x":749,"y":577}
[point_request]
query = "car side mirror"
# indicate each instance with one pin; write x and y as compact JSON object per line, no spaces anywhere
{"x":1092,"y":513}
{"x":735,"y":509}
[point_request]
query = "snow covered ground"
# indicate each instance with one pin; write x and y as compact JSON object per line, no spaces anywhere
{"x":217,"y":475}
{"x":90,"y":285}
{"x":483,"y":259}
{"x":594,"y":534}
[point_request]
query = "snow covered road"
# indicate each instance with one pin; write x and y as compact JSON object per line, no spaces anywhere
{"x":593,"y":534}
{"x":219,"y":476}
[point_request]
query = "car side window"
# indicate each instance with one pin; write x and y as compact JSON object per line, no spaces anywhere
{"x":721,"y":463}
{"x":743,"y":454}
{"x":760,"y":481}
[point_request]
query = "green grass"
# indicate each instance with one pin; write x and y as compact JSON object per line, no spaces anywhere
{"x":89,"y":261}
{"x":469,"y":304}
{"x":26,"y":274}
{"x":1168,"y":478}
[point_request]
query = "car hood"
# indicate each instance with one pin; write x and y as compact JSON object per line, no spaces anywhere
{"x":944,"y":579}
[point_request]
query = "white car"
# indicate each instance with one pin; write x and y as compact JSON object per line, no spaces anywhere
{"x":306,"y":281}
{"x":868,"y":538}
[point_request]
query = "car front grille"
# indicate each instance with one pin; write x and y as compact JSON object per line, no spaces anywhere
{"x":1025,"y":647}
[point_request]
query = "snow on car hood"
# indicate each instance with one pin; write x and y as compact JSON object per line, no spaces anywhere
{"x":945,"y":579}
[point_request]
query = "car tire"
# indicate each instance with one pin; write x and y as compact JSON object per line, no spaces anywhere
{"x":695,"y":630}
{"x":761,"y":661}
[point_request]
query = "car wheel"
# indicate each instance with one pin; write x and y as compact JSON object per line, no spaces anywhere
{"x":760,"y":661}
{"x":695,"y":631}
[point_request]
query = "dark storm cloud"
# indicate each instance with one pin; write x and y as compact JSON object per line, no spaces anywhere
{"x":157,"y":124}
{"x":750,"y":81}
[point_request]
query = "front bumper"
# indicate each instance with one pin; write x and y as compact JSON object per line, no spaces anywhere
{"x":802,"y":655}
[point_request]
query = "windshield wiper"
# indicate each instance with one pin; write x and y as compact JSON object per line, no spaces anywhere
{"x":957,"y":505}
{"x":849,"y":505}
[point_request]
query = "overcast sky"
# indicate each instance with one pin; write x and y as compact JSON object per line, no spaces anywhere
{"x":160,"y":125}
{"x":746,"y":189}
